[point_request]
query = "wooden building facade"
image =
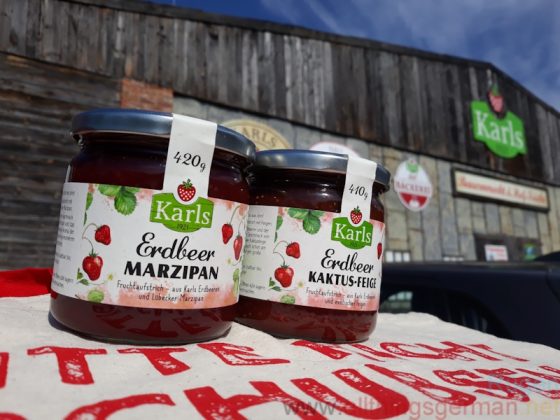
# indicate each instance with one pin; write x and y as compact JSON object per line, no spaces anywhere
{"x":388,"y":103}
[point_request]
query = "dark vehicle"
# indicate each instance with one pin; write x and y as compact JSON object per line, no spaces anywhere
{"x":519,"y":301}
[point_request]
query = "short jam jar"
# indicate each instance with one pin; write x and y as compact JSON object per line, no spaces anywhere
{"x":152,"y":225}
{"x":312,"y":267}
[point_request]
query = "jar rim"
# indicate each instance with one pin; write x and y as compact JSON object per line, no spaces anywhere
{"x":153,"y":124}
{"x":314,"y":160}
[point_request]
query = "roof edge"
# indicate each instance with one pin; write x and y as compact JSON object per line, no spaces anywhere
{"x":174,"y":12}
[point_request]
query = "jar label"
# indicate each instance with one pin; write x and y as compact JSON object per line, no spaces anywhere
{"x":313,"y":258}
{"x":175,"y":248}
{"x":139,"y":247}
{"x":356,"y":197}
{"x":189,"y":157}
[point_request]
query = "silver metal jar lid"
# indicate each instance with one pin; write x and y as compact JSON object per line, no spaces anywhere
{"x":314,"y":161}
{"x":151,"y":123}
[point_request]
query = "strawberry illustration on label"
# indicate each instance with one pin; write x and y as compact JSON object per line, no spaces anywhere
{"x":356,"y":215}
{"x":103,"y":234}
{"x":92,"y":266}
{"x":284,"y":275}
{"x":186,"y":191}
{"x":237,"y":246}
{"x":292,"y":250}
{"x":227,"y":232}
{"x":496,"y":100}
{"x":379,"y":250}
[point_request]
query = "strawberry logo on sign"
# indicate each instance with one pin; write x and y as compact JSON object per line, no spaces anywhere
{"x":496,"y":100}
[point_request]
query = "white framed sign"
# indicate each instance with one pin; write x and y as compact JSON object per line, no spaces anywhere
{"x":496,"y":252}
{"x":485,"y":187}
{"x":412,"y":185}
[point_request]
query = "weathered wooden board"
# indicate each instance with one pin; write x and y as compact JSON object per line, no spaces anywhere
{"x":392,"y":95}
{"x":409,"y":99}
{"x":37,"y":102}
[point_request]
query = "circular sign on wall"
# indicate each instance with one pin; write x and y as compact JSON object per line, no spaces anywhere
{"x":413,"y":185}
{"x":264,"y":136}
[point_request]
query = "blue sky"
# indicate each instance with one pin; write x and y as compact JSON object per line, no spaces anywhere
{"x":521,"y":37}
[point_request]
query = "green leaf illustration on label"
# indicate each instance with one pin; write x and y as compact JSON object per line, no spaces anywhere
{"x":310,"y":219}
{"x":353,"y":237}
{"x":272,"y":285}
{"x":279,"y":221}
{"x":109,"y":190}
{"x":505,"y":137}
{"x":125,"y":202}
{"x":298,"y":213}
{"x":289,"y":299}
{"x":81,"y":279}
{"x":125,"y":198}
{"x":311,"y":224}
{"x":89,"y":200}
{"x":180,"y":217}
{"x":236,"y":282}
{"x":95,"y":296}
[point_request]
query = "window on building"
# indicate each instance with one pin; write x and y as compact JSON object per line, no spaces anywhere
{"x":397,"y":256}
{"x":453,"y":258}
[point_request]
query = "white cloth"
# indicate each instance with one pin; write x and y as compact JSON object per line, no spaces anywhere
{"x":126,"y":385}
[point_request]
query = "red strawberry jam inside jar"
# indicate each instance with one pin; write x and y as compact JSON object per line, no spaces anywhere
{"x":152,"y":228}
{"x":312,"y":266}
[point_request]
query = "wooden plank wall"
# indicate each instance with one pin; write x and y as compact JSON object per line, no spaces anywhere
{"x":394,"y":96}
{"x":37,"y":102}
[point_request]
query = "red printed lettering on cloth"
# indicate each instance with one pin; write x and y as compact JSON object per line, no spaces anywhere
{"x":427,"y":388}
{"x":72,"y":364}
{"x":398,"y":349}
{"x":491,"y":350}
{"x":550,"y":369}
{"x":547,"y":376}
{"x":521,"y":381}
{"x":212,"y":406}
{"x":161,"y":359}
{"x":369,"y":351}
{"x":4,"y":359}
{"x":453,"y":351}
{"x":383,"y":402}
{"x":492,"y":389}
{"x":526,"y":382}
{"x":235,"y":355}
{"x":11,"y":416}
{"x":456,"y":351}
{"x":330,"y":350}
{"x":103,"y":409}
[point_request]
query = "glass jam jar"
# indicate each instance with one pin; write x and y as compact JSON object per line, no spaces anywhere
{"x":151,"y":229}
{"x":312,"y":265}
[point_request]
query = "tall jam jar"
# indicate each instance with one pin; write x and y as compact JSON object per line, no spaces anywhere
{"x":152,"y":228}
{"x":314,"y":247}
